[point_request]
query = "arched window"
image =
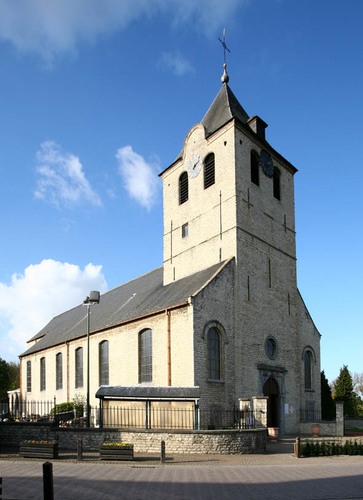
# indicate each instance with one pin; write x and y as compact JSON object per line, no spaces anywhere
{"x":103,"y":363}
{"x":42,"y":374}
{"x":214,"y":354}
{"x":209,"y":171}
{"x":59,"y":371}
{"x":79,"y":367}
{"x":307,"y":369}
{"x":183,"y":188}
{"x":276,"y":183}
{"x":28,"y":376}
{"x":255,"y":173}
{"x":145,"y":356}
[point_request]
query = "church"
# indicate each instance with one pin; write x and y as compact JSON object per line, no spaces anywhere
{"x":222,"y":321}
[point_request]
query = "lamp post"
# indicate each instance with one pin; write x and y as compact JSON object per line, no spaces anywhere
{"x":94,"y":298}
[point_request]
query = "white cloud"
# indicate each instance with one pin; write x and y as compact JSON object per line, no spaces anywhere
{"x":176,"y":62}
{"x":52,"y":27}
{"x":139,"y":177}
{"x":61,"y":178}
{"x":32,"y":299}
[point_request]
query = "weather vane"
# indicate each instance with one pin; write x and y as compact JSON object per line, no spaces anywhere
{"x":223,"y":42}
{"x":225,"y":77}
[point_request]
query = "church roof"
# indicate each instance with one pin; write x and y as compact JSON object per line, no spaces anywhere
{"x":224,"y":107}
{"x":140,"y":297}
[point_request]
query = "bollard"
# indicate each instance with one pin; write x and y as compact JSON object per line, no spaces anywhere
{"x":79,"y":450}
{"x":297,"y":448}
{"x":48,"y":481}
{"x":162,"y":455}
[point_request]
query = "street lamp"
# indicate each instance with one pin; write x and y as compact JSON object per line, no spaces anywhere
{"x":94,"y":298}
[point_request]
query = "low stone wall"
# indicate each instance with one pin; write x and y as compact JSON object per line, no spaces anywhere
{"x":222,"y":442}
{"x":354,"y":423}
{"x":327,"y":429}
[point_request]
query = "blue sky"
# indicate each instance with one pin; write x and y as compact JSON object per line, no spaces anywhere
{"x":96,"y":98}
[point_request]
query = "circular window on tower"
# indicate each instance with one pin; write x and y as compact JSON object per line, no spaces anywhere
{"x":271,"y":347}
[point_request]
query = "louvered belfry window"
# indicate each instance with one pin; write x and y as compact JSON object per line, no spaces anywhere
{"x":209,"y":171}
{"x":276,"y":184}
{"x":103,"y":363}
{"x":145,"y":356}
{"x":183,"y":188}
{"x":255,"y":174}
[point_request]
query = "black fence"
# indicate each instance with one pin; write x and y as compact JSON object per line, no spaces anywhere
{"x":29,"y":411}
{"x":141,"y":415}
{"x":316,"y":416}
{"x":177,"y":418}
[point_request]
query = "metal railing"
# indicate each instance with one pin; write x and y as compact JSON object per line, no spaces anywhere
{"x":142,"y":415}
{"x":315,"y":416}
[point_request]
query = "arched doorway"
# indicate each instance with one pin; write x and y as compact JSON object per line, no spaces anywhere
{"x":271,"y":389}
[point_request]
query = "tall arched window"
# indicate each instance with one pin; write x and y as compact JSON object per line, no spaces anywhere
{"x":29,"y":376}
{"x":183,"y":188}
{"x":59,"y":371}
{"x":79,"y":367}
{"x":42,"y":374}
{"x":276,"y":183}
{"x":307,"y":369}
{"x":103,"y":363}
{"x":145,"y":356}
{"x":255,"y":173}
{"x":214,"y":354}
{"x":209,"y":171}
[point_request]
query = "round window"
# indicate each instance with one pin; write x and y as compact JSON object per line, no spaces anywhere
{"x":271,"y":347}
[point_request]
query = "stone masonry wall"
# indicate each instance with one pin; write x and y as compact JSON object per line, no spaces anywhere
{"x":222,"y":442}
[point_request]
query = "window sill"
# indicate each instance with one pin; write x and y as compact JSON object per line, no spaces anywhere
{"x":309,"y":390}
{"x":215,"y":381}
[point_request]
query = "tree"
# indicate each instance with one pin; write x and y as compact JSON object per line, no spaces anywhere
{"x":343,"y":388}
{"x":327,"y":402}
{"x":9,"y":378}
{"x":4,"y":380}
{"x":14,"y":375}
{"x":358,"y":384}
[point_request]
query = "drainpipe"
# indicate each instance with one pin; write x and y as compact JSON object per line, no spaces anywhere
{"x":67,"y":348}
{"x":169,"y":346}
{"x":20,"y":379}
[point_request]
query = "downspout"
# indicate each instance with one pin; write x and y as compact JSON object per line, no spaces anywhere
{"x":67,"y":347}
{"x":169,"y":346}
{"x":20,"y":379}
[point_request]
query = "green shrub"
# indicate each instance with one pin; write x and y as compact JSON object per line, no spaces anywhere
{"x":62,"y":407}
{"x":325,"y":448}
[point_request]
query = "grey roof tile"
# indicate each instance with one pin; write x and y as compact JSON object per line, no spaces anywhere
{"x":139,"y":297}
{"x":224,"y":107}
{"x":147,"y":392}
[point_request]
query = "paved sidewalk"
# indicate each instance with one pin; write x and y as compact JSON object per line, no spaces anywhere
{"x":274,"y":475}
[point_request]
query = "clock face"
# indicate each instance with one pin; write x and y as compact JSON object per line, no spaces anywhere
{"x":195,"y":165}
{"x":266,"y":163}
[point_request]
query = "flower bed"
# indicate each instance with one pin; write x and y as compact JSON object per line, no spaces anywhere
{"x":116,"y":451}
{"x":38,"y":449}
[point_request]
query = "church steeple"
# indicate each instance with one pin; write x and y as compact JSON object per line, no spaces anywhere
{"x":224,"y":108}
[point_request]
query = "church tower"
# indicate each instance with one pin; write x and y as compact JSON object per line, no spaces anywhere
{"x":227,"y":184}
{"x":229,"y":194}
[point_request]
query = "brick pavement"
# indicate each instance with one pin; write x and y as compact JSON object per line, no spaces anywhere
{"x":274,"y":475}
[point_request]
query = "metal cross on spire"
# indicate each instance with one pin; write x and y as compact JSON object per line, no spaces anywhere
{"x":223,"y":42}
{"x":225,"y":77}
